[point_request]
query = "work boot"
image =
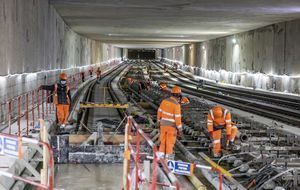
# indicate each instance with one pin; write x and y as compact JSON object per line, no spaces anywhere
{"x":62,"y":127}
{"x":56,"y":128}
{"x":170,"y":156}
{"x":160,"y":155}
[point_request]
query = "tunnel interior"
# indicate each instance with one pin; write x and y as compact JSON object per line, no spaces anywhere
{"x":137,"y":94}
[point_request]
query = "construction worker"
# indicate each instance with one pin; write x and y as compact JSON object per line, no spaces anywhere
{"x":91,"y":71}
{"x":163,"y":86}
{"x":218,"y":119}
{"x":82,"y":76}
{"x":200,"y":84}
{"x":184,"y":101}
{"x":165,"y":67}
{"x":169,"y":120}
{"x":98,"y":73}
{"x":61,"y":98}
{"x":175,"y":66}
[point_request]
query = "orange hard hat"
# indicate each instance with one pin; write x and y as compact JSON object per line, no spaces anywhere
{"x":184,"y":100}
{"x":218,"y":111}
{"x":63,"y":76}
{"x":176,"y":90}
{"x":163,"y":85}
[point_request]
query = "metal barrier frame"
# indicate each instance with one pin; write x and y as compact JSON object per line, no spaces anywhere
{"x":49,"y":183}
{"x":18,"y":106}
{"x":129,"y":151}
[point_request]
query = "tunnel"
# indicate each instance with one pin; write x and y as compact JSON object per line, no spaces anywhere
{"x":136,"y":94}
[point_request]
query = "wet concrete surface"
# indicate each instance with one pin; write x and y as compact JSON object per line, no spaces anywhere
{"x":89,"y":177}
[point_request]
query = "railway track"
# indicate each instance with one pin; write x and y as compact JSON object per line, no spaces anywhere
{"x":243,"y":101}
{"x":102,"y":92}
{"x":280,"y":99}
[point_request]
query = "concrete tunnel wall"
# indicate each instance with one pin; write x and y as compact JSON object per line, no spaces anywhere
{"x":266,"y":58}
{"x":36,"y":44}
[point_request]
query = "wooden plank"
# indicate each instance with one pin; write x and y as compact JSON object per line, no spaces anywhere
{"x":77,"y":139}
{"x":116,"y":139}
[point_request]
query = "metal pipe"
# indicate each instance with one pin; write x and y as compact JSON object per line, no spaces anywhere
{"x":244,"y":137}
{"x":276,"y":176}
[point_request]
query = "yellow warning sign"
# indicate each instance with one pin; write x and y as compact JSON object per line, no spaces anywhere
{"x":99,"y":105}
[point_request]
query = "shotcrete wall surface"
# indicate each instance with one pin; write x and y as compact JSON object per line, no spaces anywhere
{"x":36,"y":45}
{"x":266,"y":58}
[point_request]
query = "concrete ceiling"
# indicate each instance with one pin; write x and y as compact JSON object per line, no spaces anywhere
{"x":162,"y":23}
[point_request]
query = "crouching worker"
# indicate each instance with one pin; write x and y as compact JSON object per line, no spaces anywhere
{"x":219,"y":119}
{"x":169,"y":120}
{"x":61,"y":98}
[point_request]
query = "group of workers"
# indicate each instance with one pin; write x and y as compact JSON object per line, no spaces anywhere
{"x":98,"y":73}
{"x":168,"y":116}
{"x":169,"y":120}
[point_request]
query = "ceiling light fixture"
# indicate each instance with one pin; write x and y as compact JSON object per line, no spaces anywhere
{"x":234,"y":41}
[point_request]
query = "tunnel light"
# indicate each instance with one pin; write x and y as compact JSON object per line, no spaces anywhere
{"x":234,"y":41}
{"x":203,"y":47}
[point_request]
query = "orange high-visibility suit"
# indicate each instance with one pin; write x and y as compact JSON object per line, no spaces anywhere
{"x":217,"y":120}
{"x":63,"y":104}
{"x":98,"y":73}
{"x":169,"y":117}
{"x":61,"y":98}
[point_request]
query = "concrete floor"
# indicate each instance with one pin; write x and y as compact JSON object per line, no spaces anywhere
{"x":89,"y":176}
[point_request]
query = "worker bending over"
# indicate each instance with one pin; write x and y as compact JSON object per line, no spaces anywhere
{"x":218,"y":119}
{"x":61,"y":98}
{"x":169,"y":120}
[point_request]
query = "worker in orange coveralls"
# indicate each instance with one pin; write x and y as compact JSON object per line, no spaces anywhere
{"x":91,"y":71}
{"x":218,"y":119}
{"x":61,"y":98}
{"x":169,"y":120}
{"x":98,"y":73}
